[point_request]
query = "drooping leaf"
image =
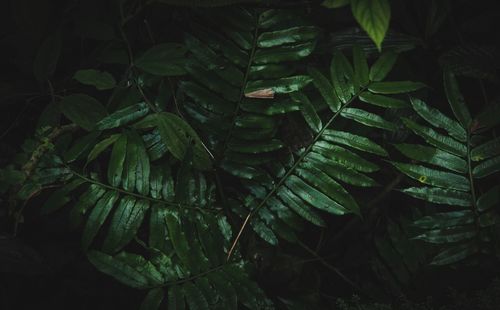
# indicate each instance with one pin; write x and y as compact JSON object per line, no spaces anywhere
{"x":98,"y":216}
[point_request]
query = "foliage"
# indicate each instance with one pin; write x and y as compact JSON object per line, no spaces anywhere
{"x":203,"y":156}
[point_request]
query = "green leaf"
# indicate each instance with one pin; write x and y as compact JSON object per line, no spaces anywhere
{"x":153,"y":299}
{"x":83,"y":110}
{"x":117,"y":159}
{"x":296,"y":204}
{"x":433,"y":156}
{"x":448,"y":235}
{"x":280,"y":86}
{"x":80,"y":146}
{"x":127,"y":219}
{"x":440,"y":195}
{"x":487,"y":167}
{"x":308,"y":111}
{"x":489,"y":199}
{"x":129,"y":269}
{"x":486,"y":150}
{"x":438,"y":119}
{"x":383,"y":66}
{"x":445,"y":219}
{"x":194,"y":297}
{"x":382,"y":101}
{"x":60,"y":197}
{"x":178,"y":135}
{"x":398,"y":87}
{"x":137,"y":167}
{"x":123,"y":116}
{"x":179,"y":240}
{"x":442,"y":142}
{"x":367,"y":118}
{"x":335,"y":4}
{"x":325,"y":89}
{"x":47,"y":57}
{"x":342,"y":76}
{"x":344,"y":156}
{"x":455,"y":254}
{"x":164,"y":59}
{"x":176,"y":298}
{"x":98,"y":216}
{"x":101,"y":147}
{"x":434,"y":177}
{"x":287,"y":36}
{"x":456,"y":99}
{"x":361,"y":71}
{"x":357,"y":142}
{"x":373,"y":16}
{"x":101,"y":80}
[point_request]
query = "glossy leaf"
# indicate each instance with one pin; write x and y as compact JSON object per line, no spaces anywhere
{"x":434,"y":177}
{"x":325,"y":88}
{"x":354,"y":141}
{"x":487,"y":167}
{"x":486,"y":150}
{"x":433,"y":156}
{"x":382,"y":101}
{"x":367,"y":118}
{"x":308,"y":111}
{"x":123,"y":116}
{"x":98,"y":216}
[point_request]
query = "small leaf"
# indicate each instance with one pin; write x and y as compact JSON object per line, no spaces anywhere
{"x":486,"y":150}
{"x":383,"y":66}
{"x":433,"y":156}
{"x":361,"y":71}
{"x":178,"y":135}
{"x":123,"y":116}
{"x":357,"y":142}
{"x":325,"y":88}
{"x":434,"y":177}
{"x":440,"y":195}
{"x":80,"y":146}
{"x":308,"y":111}
{"x":456,"y":99}
{"x":367,"y":118}
{"x":98,"y":216}
{"x":398,"y":87}
{"x":489,"y":199}
{"x":83,"y":110}
{"x":373,"y":16}
{"x":455,"y":254}
{"x":101,"y":147}
{"x":438,"y":119}
{"x":382,"y":101}
{"x":335,"y":4}
{"x":487,"y":167}
{"x":101,"y":80}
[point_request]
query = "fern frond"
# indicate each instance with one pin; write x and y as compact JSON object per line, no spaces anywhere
{"x":458,"y":162}
{"x":313,"y":178}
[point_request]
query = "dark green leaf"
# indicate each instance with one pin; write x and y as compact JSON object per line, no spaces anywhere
{"x":164,"y":59}
{"x":398,"y":87}
{"x":440,"y":195}
{"x":456,"y":99}
{"x":434,"y":177}
{"x":83,"y":110}
{"x":98,"y":216}
{"x":308,"y":111}
{"x":383,"y":66}
{"x":101,"y":80}
{"x":123,"y":116}
{"x":153,"y":299}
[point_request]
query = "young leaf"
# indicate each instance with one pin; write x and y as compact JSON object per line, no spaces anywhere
{"x":373,"y":16}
